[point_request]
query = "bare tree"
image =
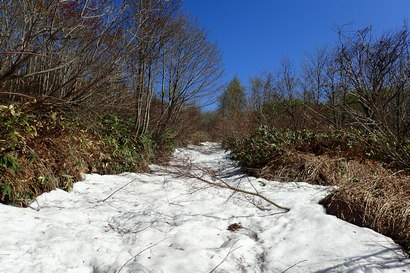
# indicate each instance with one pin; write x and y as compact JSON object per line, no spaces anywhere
{"x":287,"y":86}
{"x":150,"y":24}
{"x":376,"y":73}
{"x":262,"y":93}
{"x":57,"y":52}
{"x":314,"y":75}
{"x":191,"y":70}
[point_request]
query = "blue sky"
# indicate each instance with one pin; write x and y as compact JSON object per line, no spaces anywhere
{"x":253,"y":35}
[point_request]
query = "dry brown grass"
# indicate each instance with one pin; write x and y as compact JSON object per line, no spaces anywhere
{"x":368,"y":194}
{"x":379,"y":201}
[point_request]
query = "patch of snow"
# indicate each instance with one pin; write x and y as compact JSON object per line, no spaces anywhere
{"x":161,"y":222}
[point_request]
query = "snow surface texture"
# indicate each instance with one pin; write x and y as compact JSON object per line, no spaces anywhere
{"x":161,"y":222}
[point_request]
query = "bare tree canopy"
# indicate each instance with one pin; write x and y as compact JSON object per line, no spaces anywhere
{"x":99,"y":54}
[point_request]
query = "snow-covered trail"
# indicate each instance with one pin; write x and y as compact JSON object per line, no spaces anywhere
{"x":162,"y":223}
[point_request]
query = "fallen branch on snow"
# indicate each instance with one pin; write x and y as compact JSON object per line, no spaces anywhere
{"x":117,"y":190}
{"x":226,"y":257}
{"x":290,"y":267}
{"x":133,"y":257}
{"x":187,"y":171}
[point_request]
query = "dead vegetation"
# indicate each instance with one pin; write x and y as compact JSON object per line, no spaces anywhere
{"x":377,"y":201}
{"x":369,"y":194}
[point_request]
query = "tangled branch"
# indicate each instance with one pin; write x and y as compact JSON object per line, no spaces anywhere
{"x":210,"y":177}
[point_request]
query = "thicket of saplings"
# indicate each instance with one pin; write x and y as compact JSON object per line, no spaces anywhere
{"x":95,"y":86}
{"x":344,"y":122}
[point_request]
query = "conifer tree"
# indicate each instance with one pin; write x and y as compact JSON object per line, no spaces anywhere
{"x":233,"y":99}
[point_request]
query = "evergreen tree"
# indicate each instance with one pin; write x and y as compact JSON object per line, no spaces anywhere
{"x":233,"y":99}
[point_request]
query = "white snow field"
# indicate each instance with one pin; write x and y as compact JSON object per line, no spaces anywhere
{"x":162,"y":222}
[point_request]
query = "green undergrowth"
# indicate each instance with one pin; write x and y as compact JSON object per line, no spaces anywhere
{"x":43,"y":151}
{"x":263,"y":145}
{"x":371,"y":172}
